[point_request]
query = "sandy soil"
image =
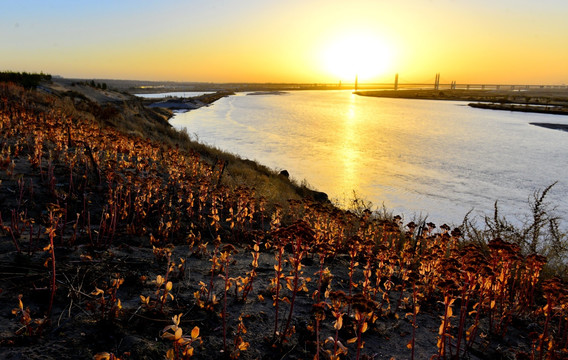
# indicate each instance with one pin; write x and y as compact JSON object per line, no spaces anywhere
{"x":78,"y":333}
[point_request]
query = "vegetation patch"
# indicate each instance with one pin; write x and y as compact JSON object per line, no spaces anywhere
{"x":27,"y":80}
{"x":149,"y":246}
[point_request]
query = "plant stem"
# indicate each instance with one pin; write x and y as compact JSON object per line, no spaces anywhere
{"x":277,"y":283}
{"x":53,"y":286}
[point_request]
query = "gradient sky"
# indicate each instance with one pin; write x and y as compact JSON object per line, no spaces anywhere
{"x":482,"y":41}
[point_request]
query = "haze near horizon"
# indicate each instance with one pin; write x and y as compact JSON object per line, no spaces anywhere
{"x":514,"y":42}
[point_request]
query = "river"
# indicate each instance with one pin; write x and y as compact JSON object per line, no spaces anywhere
{"x":418,"y":158}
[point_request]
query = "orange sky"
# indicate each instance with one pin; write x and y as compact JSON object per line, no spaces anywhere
{"x":506,"y":41}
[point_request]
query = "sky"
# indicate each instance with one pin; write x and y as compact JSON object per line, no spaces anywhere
{"x":292,"y":41}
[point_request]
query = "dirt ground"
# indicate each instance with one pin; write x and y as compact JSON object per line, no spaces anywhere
{"x":77,"y":333}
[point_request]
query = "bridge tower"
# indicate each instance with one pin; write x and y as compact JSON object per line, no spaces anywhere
{"x":396,"y":82}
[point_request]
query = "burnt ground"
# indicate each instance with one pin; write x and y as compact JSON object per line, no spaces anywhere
{"x":78,"y":330}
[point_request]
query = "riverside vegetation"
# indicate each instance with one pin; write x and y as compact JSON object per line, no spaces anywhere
{"x":121,"y":238}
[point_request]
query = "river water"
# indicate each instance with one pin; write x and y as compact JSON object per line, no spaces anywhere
{"x":418,"y":158}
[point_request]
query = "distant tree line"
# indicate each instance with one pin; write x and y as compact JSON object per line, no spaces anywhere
{"x":27,"y":80}
{"x":91,"y":83}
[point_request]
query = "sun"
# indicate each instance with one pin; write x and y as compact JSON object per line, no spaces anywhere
{"x":356,"y":54}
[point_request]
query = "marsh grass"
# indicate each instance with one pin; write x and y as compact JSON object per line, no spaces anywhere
{"x":538,"y":233}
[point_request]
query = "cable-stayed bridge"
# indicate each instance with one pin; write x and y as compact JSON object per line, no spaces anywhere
{"x":436,"y":84}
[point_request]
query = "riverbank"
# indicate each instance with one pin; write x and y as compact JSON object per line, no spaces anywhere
{"x":539,"y":109}
{"x":187,"y":103}
{"x":546,"y":101}
{"x":116,"y":243}
{"x":148,"y":118}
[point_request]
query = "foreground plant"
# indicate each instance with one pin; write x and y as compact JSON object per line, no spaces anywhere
{"x":364,"y":309}
{"x":226,"y":257}
{"x":353,"y":252}
{"x":551,"y":343}
{"x":415,"y":310}
{"x":444,"y":332}
{"x":295,"y":282}
{"x":109,"y":305}
{"x":54,"y":220}
{"x":30,"y":327}
{"x":182,"y":344}
{"x":338,"y":302}
{"x":319,"y":315}
{"x":163,"y":293}
{"x":239,"y":345}
{"x":252,"y":274}
{"x":215,"y":267}
{"x":275,"y":284}
{"x":106,"y":356}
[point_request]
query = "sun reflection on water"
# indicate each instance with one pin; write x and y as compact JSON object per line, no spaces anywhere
{"x":348,"y":151}
{"x":439,"y":158}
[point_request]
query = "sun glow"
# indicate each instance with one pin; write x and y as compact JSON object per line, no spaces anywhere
{"x":362,"y":55}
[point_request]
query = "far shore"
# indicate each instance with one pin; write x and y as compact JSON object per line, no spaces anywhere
{"x":541,"y":109}
{"x":547,"y":101}
{"x":534,"y":97}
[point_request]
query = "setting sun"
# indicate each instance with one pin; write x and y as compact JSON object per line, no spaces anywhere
{"x":269,"y":176}
{"x":289,"y":41}
{"x":354,"y":54}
